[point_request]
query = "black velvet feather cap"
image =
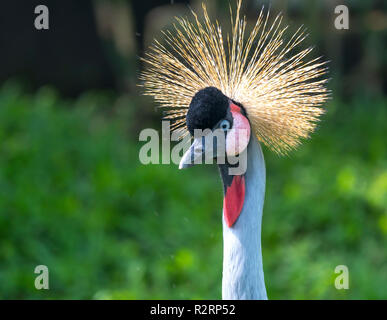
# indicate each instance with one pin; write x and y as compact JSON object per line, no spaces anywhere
{"x":206,"y":109}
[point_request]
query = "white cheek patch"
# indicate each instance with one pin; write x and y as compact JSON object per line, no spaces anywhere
{"x":239,"y":136}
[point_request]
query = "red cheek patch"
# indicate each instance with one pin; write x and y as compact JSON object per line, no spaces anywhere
{"x":239,"y":136}
{"x":233,"y":200}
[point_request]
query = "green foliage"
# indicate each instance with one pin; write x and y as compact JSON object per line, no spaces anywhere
{"x":74,"y":197}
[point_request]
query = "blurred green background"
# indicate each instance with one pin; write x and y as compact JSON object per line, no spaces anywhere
{"x":74,"y":196}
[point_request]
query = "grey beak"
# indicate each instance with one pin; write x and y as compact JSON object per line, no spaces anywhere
{"x":193,"y":154}
{"x":198,"y":152}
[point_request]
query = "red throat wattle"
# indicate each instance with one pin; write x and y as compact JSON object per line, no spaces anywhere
{"x":234,"y":199}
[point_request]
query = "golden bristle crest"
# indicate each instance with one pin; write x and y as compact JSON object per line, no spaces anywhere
{"x":282,"y":91}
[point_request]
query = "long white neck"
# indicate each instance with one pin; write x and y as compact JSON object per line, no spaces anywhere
{"x":242,"y":254}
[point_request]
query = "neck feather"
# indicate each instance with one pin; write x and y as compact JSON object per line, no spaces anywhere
{"x":242,"y":254}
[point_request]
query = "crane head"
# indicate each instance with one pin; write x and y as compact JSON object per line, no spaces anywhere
{"x":220,"y":128}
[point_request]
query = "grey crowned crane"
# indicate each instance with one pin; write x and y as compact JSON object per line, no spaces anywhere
{"x":253,"y":84}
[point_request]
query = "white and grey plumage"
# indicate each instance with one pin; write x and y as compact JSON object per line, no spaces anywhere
{"x":242,"y":254}
{"x":256,"y":81}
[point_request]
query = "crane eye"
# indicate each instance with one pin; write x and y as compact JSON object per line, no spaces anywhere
{"x":225,"y":125}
